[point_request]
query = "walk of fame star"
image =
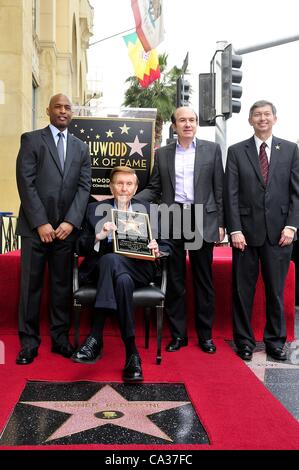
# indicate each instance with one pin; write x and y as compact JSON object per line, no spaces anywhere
{"x":136,"y":146}
{"x":261,"y":363}
{"x":130,"y":225}
{"x":50,"y":413}
{"x":107,"y":405}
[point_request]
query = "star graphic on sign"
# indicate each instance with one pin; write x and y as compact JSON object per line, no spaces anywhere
{"x":97,"y":136}
{"x":136,"y":146}
{"x":141,"y":131}
{"x":107,"y":406}
{"x":82,"y":131}
{"x":124,"y":129}
{"x":109,"y":133}
{"x":130,"y":225}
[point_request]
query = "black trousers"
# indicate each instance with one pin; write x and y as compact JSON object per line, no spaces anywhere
{"x":34,"y":257}
{"x":118,"y":276}
{"x":274,"y":262}
{"x":201,"y":264}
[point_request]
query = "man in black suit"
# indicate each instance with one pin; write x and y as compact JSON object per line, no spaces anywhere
{"x":262,"y":214}
{"x":116,"y":275}
{"x":53,"y":178}
{"x":189,"y":174}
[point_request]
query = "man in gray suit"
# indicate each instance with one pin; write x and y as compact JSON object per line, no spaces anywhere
{"x":262,"y":214}
{"x":53,"y":178}
{"x":189,"y":174}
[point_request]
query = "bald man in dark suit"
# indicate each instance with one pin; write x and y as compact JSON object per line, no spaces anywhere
{"x":262,"y":214}
{"x":53,"y":178}
{"x":188,"y":175}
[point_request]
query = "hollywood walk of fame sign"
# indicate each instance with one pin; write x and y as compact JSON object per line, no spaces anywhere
{"x":116,"y":142}
{"x":133,"y":234}
{"x":103,"y":413}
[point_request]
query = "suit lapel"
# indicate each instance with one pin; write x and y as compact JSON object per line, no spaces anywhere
{"x":197,"y":161}
{"x":171,"y":164}
{"x":48,"y":138}
{"x":275,"y":148}
{"x":250,"y":150}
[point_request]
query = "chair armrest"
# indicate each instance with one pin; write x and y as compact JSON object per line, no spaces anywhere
{"x":75,"y":273}
{"x":163,"y":258}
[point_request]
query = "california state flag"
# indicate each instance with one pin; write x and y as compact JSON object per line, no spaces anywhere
{"x":148,"y":16}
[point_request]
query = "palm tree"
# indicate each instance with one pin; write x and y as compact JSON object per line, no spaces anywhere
{"x":161,"y":94}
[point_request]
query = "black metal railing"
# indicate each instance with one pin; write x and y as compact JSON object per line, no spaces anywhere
{"x":9,"y":241}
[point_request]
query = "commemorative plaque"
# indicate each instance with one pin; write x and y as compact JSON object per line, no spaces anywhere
{"x":133,"y":234}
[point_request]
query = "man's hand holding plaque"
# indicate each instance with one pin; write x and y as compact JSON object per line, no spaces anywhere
{"x":107,"y":228}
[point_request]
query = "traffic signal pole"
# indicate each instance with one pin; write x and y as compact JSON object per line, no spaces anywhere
{"x":266,"y":45}
{"x":220,"y":121}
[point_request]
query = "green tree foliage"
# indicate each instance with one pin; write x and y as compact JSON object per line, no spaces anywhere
{"x":160,"y":94}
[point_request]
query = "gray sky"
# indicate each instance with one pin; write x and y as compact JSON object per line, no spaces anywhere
{"x":194,"y":26}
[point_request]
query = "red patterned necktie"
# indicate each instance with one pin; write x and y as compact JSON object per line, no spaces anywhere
{"x":264,"y":162}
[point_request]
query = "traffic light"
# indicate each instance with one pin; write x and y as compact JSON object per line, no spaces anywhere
{"x":206,"y":92}
{"x":231,"y":77}
{"x":182,"y":92}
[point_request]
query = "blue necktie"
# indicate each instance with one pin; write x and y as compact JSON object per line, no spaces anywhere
{"x":60,"y":149}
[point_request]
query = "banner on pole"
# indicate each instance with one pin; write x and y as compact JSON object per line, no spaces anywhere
{"x":148,"y":16}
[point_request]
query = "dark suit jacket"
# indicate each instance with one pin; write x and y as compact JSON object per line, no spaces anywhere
{"x":260,"y":211}
{"x":208,"y":183}
{"x":48,"y":195}
{"x":97,"y":214}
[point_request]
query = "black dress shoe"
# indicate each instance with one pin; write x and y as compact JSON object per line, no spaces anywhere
{"x":276,"y":353}
{"x":207,"y":345}
{"x":89,"y":352}
{"x":245,"y":353}
{"x":26,"y":356}
{"x":132,"y":371}
{"x":64,"y":349}
{"x":176,"y":343}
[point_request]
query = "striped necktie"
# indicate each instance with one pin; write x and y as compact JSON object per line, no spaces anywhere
{"x":264,"y":162}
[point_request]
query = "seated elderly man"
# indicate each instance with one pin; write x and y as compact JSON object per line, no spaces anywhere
{"x":116,"y":275}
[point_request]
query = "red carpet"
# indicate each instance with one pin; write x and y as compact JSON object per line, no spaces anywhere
{"x":10,"y":280}
{"x":234,"y":407}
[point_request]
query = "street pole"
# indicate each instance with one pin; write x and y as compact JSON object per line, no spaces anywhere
{"x":266,"y":45}
{"x":220,"y":122}
{"x":184,"y":68}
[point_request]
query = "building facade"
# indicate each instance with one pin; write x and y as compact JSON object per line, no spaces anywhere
{"x":42,"y":52}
